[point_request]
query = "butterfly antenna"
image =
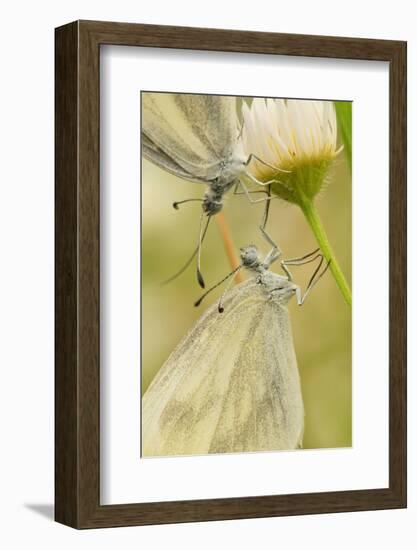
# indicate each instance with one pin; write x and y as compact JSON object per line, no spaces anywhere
{"x":184,"y":267}
{"x":201,"y":235}
{"x":234,"y":272}
{"x":187,"y":263}
{"x":220,"y":306}
{"x":176,"y":204}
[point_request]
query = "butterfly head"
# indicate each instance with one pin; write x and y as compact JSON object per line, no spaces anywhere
{"x":249,"y":256}
{"x":213,"y":200}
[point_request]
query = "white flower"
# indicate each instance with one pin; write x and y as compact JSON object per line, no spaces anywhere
{"x":299,"y":136}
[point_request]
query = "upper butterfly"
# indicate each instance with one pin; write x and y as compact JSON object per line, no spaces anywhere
{"x":196,"y":137}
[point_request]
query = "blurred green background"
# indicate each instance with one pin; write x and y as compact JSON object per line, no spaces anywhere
{"x":321,"y":327}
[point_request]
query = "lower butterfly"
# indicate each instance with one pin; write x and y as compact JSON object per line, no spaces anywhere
{"x":232,"y":384}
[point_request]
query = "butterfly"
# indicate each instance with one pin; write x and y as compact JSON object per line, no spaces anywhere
{"x":197,"y":138}
{"x":232,"y":384}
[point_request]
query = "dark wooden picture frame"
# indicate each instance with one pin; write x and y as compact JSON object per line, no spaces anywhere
{"x":77,"y":371}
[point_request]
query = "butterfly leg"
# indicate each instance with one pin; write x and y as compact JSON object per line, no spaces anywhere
{"x":248,"y":193}
{"x":253,"y":156}
{"x":262,"y":183}
{"x":299,"y":261}
{"x":266,"y":200}
{"x":266,"y":210}
{"x":314,"y":278}
{"x":312,"y":283}
{"x":274,"y":253}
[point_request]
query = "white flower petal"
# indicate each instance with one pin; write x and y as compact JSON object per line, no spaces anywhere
{"x":281,"y":132}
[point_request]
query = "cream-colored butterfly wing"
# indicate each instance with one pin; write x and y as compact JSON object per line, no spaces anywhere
{"x":161,"y":159}
{"x":231,"y":385}
{"x":196,"y":133}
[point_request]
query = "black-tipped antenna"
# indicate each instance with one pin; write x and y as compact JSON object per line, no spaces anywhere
{"x":198,"y":302}
{"x":176,"y":204}
{"x":201,"y":234}
{"x":187,"y":263}
{"x":220,"y":306}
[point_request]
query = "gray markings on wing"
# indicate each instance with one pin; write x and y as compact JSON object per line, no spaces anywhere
{"x":265,"y":390}
{"x":161,"y":159}
{"x":245,"y":395}
{"x":213,"y":120}
{"x":168,"y":398}
{"x":164,"y":123}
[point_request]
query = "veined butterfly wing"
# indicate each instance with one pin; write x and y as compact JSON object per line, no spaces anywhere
{"x":231,"y":385}
{"x":196,"y":132}
{"x":161,"y":159}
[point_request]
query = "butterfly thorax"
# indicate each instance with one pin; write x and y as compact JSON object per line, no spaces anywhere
{"x":277,"y":287}
{"x":230,"y":168}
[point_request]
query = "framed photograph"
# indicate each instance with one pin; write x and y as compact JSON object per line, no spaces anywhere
{"x":219,"y":194}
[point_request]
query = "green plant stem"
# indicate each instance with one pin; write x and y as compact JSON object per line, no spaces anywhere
{"x":313,"y":219}
{"x":344,"y":124}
